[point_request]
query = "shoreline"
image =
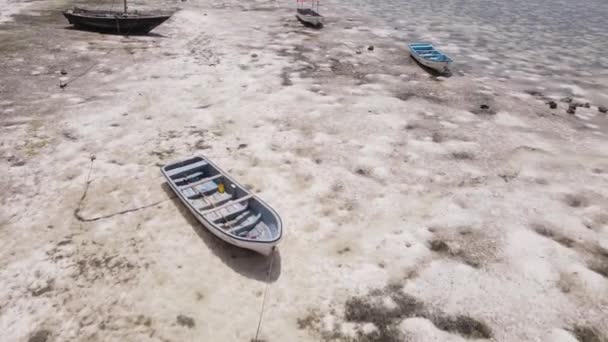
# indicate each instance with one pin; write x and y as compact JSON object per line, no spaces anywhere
{"x":409,"y":210}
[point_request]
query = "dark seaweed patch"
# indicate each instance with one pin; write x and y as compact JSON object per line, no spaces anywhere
{"x":462,"y":325}
{"x":600,"y":266}
{"x":439,"y":246}
{"x":185,"y":321}
{"x":462,"y":155}
{"x":563,"y":240}
{"x":575,"y":201}
{"x":587,"y":334}
{"x":40,"y":336}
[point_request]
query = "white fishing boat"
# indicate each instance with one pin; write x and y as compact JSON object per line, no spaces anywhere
{"x":309,"y":14}
{"x":430,"y":57}
{"x":223,"y":206}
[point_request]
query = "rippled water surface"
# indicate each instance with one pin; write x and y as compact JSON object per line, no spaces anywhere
{"x":537,"y":40}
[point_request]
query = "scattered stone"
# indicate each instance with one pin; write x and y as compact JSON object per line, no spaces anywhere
{"x":16,"y":161}
{"x":362,"y":172}
{"x":587,"y":105}
{"x":358,"y":52}
{"x":241,"y":146}
{"x":552,"y":104}
{"x":484,"y":107}
{"x":370,"y":48}
{"x":63,"y":72}
{"x":254,"y":55}
{"x":185,"y":321}
{"x":571,"y":109}
{"x":602,"y":109}
{"x":344,"y":250}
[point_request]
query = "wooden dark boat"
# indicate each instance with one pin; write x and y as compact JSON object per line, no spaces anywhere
{"x":309,"y":15}
{"x":115,"y":21}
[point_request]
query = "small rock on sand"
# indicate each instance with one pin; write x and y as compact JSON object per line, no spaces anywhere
{"x":571,"y":109}
{"x":484,"y":107}
{"x":63,"y":72}
{"x":185,"y":321}
{"x":370,"y":48}
{"x":552,"y":104}
{"x":602,"y":109}
{"x":15,"y":161}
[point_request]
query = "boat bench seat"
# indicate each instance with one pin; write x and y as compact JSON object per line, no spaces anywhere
{"x":246,"y":225}
{"x":228,"y":209}
{"x":200,"y":189}
{"x":226,"y":212}
{"x":190,"y":167}
{"x":189,"y":179}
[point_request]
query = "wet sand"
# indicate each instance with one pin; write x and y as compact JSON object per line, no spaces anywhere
{"x":410,"y":212}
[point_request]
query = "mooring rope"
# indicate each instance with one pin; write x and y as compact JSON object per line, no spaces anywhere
{"x":81,"y":218}
{"x":257,"y":332}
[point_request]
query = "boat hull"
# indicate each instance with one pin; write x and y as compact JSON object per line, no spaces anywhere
{"x":437,"y":66}
{"x":260,"y":246}
{"x":428,"y":56}
{"x":108,"y":22}
{"x":310,"y":17}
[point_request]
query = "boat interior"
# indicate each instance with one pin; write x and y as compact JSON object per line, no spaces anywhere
{"x":427,"y":51}
{"x":222,"y":202}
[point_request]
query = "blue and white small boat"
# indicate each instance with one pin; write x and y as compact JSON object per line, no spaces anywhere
{"x":430,"y":57}
{"x":226,"y":208}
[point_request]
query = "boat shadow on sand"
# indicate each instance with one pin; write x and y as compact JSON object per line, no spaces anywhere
{"x":245,"y":262}
{"x":101,"y":32}
{"x":309,"y":25}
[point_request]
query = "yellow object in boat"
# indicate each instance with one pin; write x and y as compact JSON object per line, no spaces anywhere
{"x":220,"y":188}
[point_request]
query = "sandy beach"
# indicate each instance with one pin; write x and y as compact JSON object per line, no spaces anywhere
{"x":416,"y":207}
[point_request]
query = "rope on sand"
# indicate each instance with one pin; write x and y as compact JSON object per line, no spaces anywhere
{"x":257,"y":332}
{"x":81,"y":218}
